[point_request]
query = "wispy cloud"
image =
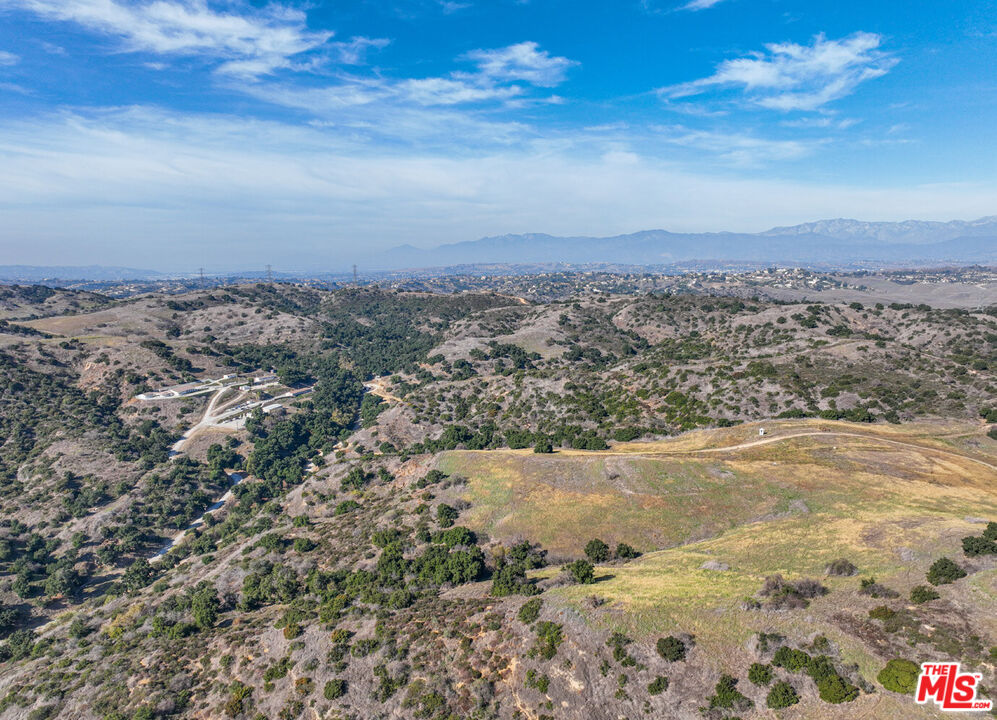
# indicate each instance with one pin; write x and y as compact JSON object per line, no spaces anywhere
{"x":504,"y":76}
{"x":452,"y":91}
{"x":821,"y":121}
{"x":788,"y":76}
{"x":247,"y":41}
{"x":449,"y":6}
{"x":700,"y":4}
{"x":523,"y":61}
{"x":8,"y":58}
{"x":663,"y":7}
{"x":737,"y":148}
{"x":354,"y":50}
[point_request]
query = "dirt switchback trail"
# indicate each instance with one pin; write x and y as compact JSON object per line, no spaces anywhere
{"x":205,"y":421}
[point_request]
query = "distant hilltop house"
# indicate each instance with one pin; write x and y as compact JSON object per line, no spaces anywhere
{"x":173,"y":392}
{"x":259,"y":381}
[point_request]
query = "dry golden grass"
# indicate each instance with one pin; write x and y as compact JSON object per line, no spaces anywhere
{"x":890,"y":499}
{"x":657,"y":495}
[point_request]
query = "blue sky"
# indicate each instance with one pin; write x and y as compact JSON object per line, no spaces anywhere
{"x":232,"y":133}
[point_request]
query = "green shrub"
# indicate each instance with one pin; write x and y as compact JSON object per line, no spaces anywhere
{"x":303,"y":545}
{"x":922,"y":594}
{"x":881,"y":612}
{"x":790,"y":659}
{"x":346,"y":506}
{"x":626,"y":552}
{"x":549,"y":636}
{"x":538,"y":682}
{"x":455,"y":536}
{"x":582,"y":571}
{"x":627,"y":434}
{"x":618,"y":641}
{"x":237,"y":693}
{"x":975,"y":546}
{"x":782,"y":695}
{"x":446,"y":515}
{"x":830,"y":685}
{"x":943,"y":571}
{"x":899,"y":676}
{"x":334,"y":689}
{"x":510,"y":579}
{"x":543,"y":447}
{"x":671,"y":648}
{"x":726,"y":695}
{"x":760,"y":674}
{"x":658,"y":685}
{"x":530,"y":610}
{"x":597,"y":551}
{"x":835,"y":690}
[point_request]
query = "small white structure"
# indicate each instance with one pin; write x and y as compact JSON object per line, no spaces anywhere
{"x":761,"y":432}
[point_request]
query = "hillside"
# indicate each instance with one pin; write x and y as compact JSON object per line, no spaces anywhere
{"x":273,"y":501}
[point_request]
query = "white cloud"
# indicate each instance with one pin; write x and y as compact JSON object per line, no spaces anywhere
{"x":354,"y":51}
{"x":821,"y":121}
{"x":700,"y":4}
{"x":523,"y":61}
{"x":503,"y":76}
{"x":449,"y":6}
{"x":251,"y":42}
{"x":7,"y":58}
{"x":450,"y":91}
{"x":788,"y":76}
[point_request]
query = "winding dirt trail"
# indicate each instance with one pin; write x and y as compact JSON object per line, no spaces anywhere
{"x":224,"y":500}
{"x":810,"y":433}
{"x":206,"y":420}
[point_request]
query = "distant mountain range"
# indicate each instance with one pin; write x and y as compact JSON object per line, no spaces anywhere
{"x":844,"y":243}
{"x":840,"y":243}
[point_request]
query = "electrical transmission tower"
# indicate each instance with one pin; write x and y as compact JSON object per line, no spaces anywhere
{"x":201,"y":273}
{"x":269,"y":274}
{"x":355,"y":282}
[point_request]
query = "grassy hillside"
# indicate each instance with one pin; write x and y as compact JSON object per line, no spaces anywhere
{"x":659,"y":494}
{"x":407,"y":538}
{"x":889,"y":500}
